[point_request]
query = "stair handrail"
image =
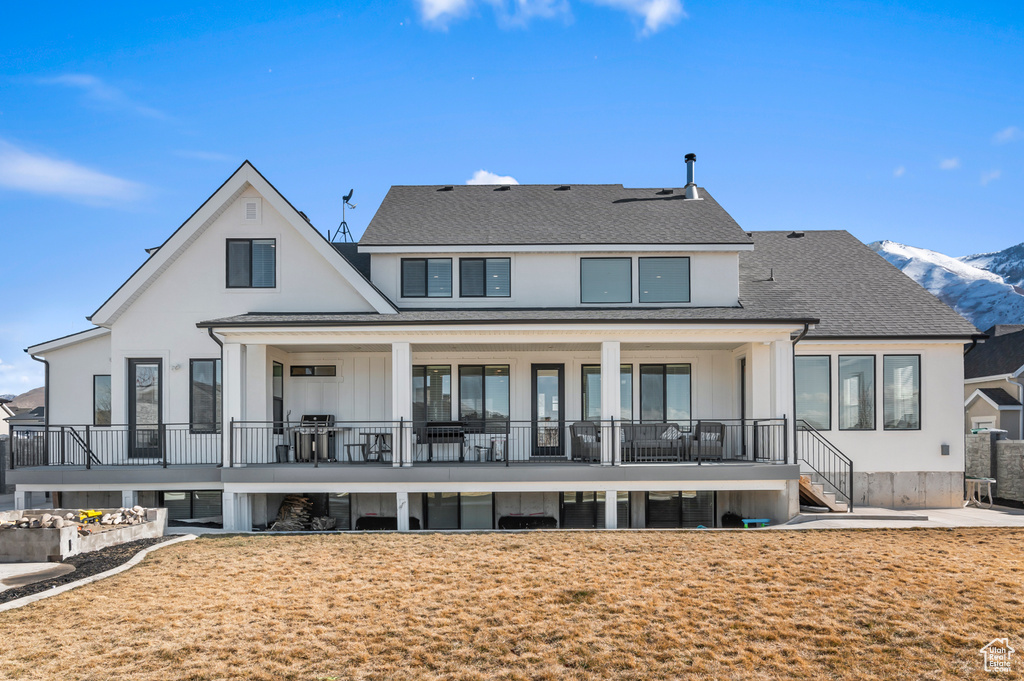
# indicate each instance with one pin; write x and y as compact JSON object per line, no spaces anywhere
{"x":844,"y":461}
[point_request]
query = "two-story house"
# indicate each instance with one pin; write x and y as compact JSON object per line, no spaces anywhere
{"x":503,"y":356}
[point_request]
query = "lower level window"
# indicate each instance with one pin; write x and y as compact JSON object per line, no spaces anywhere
{"x":901,"y":378}
{"x":680,"y":509}
{"x":458,"y":511}
{"x":585,"y":510}
{"x":192,"y":505}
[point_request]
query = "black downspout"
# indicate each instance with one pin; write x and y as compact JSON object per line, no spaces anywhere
{"x":46,"y":407}
{"x":974,"y":342}
{"x":216,"y":340}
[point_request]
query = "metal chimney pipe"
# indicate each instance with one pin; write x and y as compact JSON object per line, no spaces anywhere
{"x":691,"y":184}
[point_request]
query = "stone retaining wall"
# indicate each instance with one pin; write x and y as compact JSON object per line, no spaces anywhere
{"x":40,"y":545}
{"x":1009,"y":460}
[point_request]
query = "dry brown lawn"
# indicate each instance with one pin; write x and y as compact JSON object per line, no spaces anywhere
{"x":544,"y":605}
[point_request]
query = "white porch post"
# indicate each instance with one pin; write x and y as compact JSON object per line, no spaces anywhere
{"x":759,"y":366}
{"x":402,"y":503}
{"x":611,"y":367}
{"x":401,"y":408}
{"x":128,"y":498}
{"x":231,"y":396}
{"x":611,"y":510}
{"x":782,"y":395}
{"x":20,"y":499}
{"x":257,"y":407}
{"x":227,"y":510}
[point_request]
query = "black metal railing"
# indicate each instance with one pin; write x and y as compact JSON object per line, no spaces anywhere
{"x":509,"y":442}
{"x":704,"y":440}
{"x":166,"y":444}
{"x":824,"y":461}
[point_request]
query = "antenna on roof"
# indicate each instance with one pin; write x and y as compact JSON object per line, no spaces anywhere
{"x":343,"y":230}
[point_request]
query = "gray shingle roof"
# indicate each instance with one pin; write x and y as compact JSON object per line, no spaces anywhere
{"x":542,"y":214}
{"x":831,"y":275}
{"x":1002,"y":353}
{"x":1001,"y":397}
{"x":827,"y":277}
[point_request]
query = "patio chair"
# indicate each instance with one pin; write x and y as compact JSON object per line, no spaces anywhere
{"x":586,"y":441}
{"x":709,"y":441}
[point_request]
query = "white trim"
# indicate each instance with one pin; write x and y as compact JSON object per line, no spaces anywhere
{"x":653,"y":485}
{"x":80,"y":337}
{"x":986,"y":379}
{"x":561,"y":248}
{"x":977,"y":393}
{"x":246,"y":176}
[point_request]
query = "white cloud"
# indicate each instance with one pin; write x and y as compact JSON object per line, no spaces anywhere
{"x":990,"y":176}
{"x":487,"y":177}
{"x":949,"y":164}
{"x":1007,"y":135}
{"x":202,"y":155}
{"x":899,"y":171}
{"x":25,"y":171}
{"x":100,"y":93}
{"x":656,"y":14}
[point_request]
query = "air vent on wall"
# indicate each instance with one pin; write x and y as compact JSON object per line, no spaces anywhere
{"x":252,"y":210}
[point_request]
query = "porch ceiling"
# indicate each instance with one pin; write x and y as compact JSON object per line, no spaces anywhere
{"x":505,"y":347}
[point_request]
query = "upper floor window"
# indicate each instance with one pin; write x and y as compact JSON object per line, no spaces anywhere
{"x":485,"y":277}
{"x":606,"y":280}
{"x":426,"y":278}
{"x":664,"y":280}
{"x":252,"y":263}
{"x":901,"y":389}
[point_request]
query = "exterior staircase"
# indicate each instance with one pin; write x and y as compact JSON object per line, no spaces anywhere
{"x":814,"y":494}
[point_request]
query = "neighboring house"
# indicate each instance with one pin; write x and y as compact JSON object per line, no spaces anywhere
{"x":503,"y":356}
{"x":993,"y":390}
{"x":5,"y":413}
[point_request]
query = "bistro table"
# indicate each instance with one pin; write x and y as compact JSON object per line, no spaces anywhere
{"x":974,"y":492}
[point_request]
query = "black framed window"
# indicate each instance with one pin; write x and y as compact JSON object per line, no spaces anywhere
{"x":101,"y":400}
{"x":313,"y":370}
{"x":592,"y":392}
{"x":426,"y":277}
{"x":252,"y":263}
{"x":606,"y":280}
{"x":585,"y":510}
{"x":431,"y":393}
{"x":277,"y":390}
{"x":204,"y":395}
{"x":680,"y":509}
{"x":458,"y":510}
{"x":665,"y":393}
{"x":813,"y":385}
{"x":664,"y":280}
{"x":901,"y":390}
{"x":484,"y":398}
{"x":856,"y":392}
{"x":485,"y":277}
{"x":185,"y":505}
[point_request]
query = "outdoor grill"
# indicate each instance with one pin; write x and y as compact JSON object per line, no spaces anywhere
{"x":314,"y":436}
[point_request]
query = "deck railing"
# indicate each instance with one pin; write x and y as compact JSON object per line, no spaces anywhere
{"x":166,"y":444}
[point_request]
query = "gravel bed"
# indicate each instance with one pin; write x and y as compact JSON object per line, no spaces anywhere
{"x":86,"y":565}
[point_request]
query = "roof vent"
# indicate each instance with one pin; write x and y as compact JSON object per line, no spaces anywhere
{"x":304,"y":216}
{"x":795,"y":235}
{"x":691,"y":184}
{"x":446,"y":189}
{"x":666,"y":192}
{"x":563,"y":188}
{"x":503,"y":188}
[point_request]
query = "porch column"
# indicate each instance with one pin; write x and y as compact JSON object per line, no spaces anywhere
{"x":232,"y":380}
{"x":402,"y":499}
{"x":128,"y":498}
{"x":401,"y":408}
{"x":759,"y":366}
{"x":257,"y":388}
{"x":611,"y":510}
{"x":611,"y":367}
{"x":20,"y":499}
{"x":227,"y":510}
{"x":782,"y":393}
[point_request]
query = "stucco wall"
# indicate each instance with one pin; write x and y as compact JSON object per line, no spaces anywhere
{"x":553,"y":279}
{"x":71,"y":380}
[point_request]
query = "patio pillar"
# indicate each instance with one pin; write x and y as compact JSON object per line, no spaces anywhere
{"x":401,"y":406}
{"x":611,"y":368}
{"x":128,"y":498}
{"x":227,"y":510}
{"x":402,"y":499}
{"x":611,"y":510}
{"x":257,"y":384}
{"x":782,"y":394}
{"x":20,"y":499}
{"x":232,"y":380}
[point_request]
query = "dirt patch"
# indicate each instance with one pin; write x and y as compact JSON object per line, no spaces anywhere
{"x":85,"y":565}
{"x":812,"y":604}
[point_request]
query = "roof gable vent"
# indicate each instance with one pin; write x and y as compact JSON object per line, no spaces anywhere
{"x":251,"y":210}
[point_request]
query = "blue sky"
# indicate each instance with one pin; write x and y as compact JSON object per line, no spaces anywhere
{"x":897,"y":120}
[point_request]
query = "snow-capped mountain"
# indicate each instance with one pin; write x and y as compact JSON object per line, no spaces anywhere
{"x":987,"y":288}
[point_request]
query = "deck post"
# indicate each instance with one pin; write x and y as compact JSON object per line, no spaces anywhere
{"x":401,"y":400}
{"x":611,"y":408}
{"x":402,"y":503}
{"x":611,"y":510}
{"x":232,"y":371}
